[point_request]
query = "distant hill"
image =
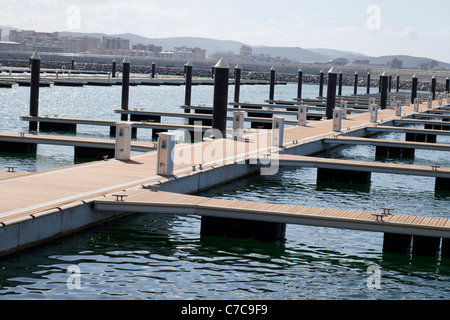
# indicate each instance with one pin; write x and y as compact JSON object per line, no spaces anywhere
{"x":320,"y":55}
{"x":292,"y":53}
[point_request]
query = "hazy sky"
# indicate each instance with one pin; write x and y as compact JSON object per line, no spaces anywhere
{"x":377,"y":27}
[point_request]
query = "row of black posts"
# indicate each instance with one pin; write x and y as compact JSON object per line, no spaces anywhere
{"x":221,"y":82}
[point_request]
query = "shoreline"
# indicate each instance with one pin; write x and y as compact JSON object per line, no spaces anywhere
{"x":207,"y":73}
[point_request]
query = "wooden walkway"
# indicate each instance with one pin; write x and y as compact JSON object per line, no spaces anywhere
{"x":343,"y":140}
{"x":284,"y":160}
{"x":148,"y":201}
{"x":197,"y":115}
{"x":28,"y":195}
{"x":140,"y":146}
{"x":110,"y":123}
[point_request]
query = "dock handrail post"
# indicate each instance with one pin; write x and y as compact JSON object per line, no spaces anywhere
{"x":337,"y":120}
{"x":355,"y":89}
{"x":368,"y":82}
{"x":300,"y":83}
{"x":302,"y":115}
{"x":221,"y":80}
{"x":373,"y":113}
{"x":277,"y":131}
{"x":344,"y":109}
{"x":34,"y":89}
{"x":416,"y":105}
{"x":237,"y":84}
{"x":331,"y":94}
{"x":398,"y":108}
{"x":125,"y":87}
{"x":238,"y":125}
{"x":166,"y":146}
{"x":414,"y":88}
{"x":272,"y":84}
{"x":188,"y":93}
{"x":321,"y":76}
{"x":384,"y":91}
{"x":123,"y":141}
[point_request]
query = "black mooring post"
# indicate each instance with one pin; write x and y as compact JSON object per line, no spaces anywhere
{"x":398,"y":83}
{"x":73,"y":64}
{"x":384,"y":90}
{"x":272,"y":84}
{"x":125,"y":87}
{"x":390,"y":83}
{"x":331,"y":93}
{"x":414,"y":88}
{"x":321,"y":84}
{"x":221,"y":80}
{"x":368,"y":82}
{"x":237,"y":84}
{"x":34,"y":89}
{"x":379,"y":85}
{"x":433,"y":87}
{"x":212,"y":72}
{"x":188,"y":93}
{"x":447,"y":85}
{"x":340,"y":84}
{"x":355,"y":91}
{"x":300,"y":84}
{"x":114,"y":68}
{"x":153,"y":70}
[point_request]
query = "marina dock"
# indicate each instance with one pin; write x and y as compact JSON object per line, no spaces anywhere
{"x":47,"y":205}
{"x":70,"y":209}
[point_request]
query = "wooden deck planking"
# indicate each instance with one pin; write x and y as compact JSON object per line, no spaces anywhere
{"x":296,"y":212}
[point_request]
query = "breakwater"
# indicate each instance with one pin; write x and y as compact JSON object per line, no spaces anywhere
{"x":208,"y":73}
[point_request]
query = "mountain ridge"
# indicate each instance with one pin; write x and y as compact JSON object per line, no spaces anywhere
{"x":303,"y":55}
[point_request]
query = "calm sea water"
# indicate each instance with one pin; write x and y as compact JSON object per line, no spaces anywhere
{"x":161,"y":257}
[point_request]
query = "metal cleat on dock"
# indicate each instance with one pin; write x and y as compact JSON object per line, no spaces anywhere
{"x":11,"y":169}
{"x":387,"y":211}
{"x":119,"y":197}
{"x":436,"y":166}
